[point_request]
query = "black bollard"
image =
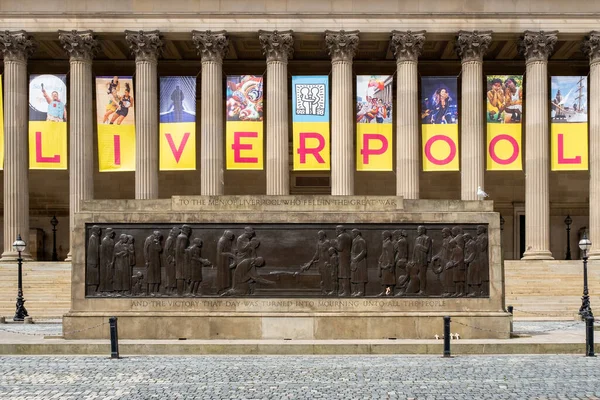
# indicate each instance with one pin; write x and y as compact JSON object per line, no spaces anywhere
{"x":446,"y":336}
{"x":114,"y":338}
{"x":510,"y":309}
{"x":589,"y":337}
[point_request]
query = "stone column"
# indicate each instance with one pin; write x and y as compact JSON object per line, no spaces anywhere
{"x":146,"y":46}
{"x":471,"y":47}
{"x":407,"y":47}
{"x":278,"y":47}
{"x":537,"y":46}
{"x":212,"y":46}
{"x":591,"y":47}
{"x":81,"y":47}
{"x":342,"y":47}
{"x":16,"y":47}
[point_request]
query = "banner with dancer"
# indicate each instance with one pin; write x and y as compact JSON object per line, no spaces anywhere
{"x":374,"y":150}
{"x":504,"y":95}
{"x":177,"y":142}
{"x":569,"y":127}
{"x":244,"y":126}
{"x":115,"y":107}
{"x":439,"y":123}
{"x":48,"y":122}
{"x":310,"y":123}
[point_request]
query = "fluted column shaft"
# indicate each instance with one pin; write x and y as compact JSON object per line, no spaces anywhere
{"x":342,"y":151}
{"x":16,"y":178}
{"x":211,"y":128}
{"x":472,"y":133}
{"x":407,"y":131}
{"x":537,"y":202}
{"x":146,"y":129}
{"x":277,"y":129}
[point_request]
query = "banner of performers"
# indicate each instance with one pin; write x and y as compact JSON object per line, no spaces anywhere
{"x":244,"y":126}
{"x":374,"y":150}
{"x":503,"y":115}
{"x":310,"y":123}
{"x":115,"y":117}
{"x":439,"y":123}
{"x":47,"y":122}
{"x":1,"y":126}
{"x":569,"y":126}
{"x":177,"y":143}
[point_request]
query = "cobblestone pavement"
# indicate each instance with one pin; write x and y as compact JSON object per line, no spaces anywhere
{"x":300,"y":377}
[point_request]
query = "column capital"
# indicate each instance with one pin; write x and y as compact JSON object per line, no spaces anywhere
{"x":591,"y":46}
{"x":212,"y":46}
{"x":16,"y":45}
{"x":537,"y":46}
{"x":407,"y":46}
{"x":145,"y":45}
{"x":472,"y":45}
{"x":277,"y":45}
{"x":341,"y":45}
{"x":80,"y":45}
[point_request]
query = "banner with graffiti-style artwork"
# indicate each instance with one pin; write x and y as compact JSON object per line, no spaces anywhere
{"x":504,"y":107}
{"x":48,"y":122}
{"x":374,"y":150}
{"x":1,"y":126}
{"x":177,"y":142}
{"x":439,"y":123}
{"x":569,"y":127}
{"x":115,"y":106}
{"x":244,"y":126}
{"x":310,"y":123}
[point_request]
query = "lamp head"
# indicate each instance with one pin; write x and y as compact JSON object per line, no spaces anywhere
{"x":19,"y":245}
{"x":568,"y":220}
{"x":585,"y":244}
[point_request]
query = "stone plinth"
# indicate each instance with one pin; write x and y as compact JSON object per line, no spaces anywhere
{"x":296,"y":317}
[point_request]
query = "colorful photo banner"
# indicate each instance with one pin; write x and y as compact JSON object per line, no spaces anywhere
{"x":48,"y":122}
{"x":310,"y":123}
{"x":244,"y":126}
{"x":1,"y":126}
{"x":439,"y":123}
{"x":569,"y":127}
{"x":115,"y":107}
{"x":504,"y":99}
{"x":177,"y":142}
{"x":374,"y":150}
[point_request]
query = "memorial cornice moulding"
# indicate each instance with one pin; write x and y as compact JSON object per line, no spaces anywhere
{"x":80,"y":45}
{"x":145,"y":45}
{"x":277,"y":45}
{"x":16,"y":45}
{"x":591,"y":47}
{"x":472,"y":45}
{"x":341,"y":45}
{"x":211,"y":46}
{"x":407,"y":46}
{"x":537,"y":46}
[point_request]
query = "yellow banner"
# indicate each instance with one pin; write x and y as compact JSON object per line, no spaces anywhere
{"x":1,"y":126}
{"x":504,"y":147}
{"x":244,"y":145}
{"x":116,"y":148}
{"x":311,"y":146}
{"x":47,"y":145}
{"x":178,"y":146}
{"x":569,"y":146}
{"x":440,"y":147}
{"x":374,"y":150}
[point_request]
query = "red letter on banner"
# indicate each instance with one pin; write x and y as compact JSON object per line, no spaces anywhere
{"x":238,"y":147}
{"x":430,"y":143}
{"x":117,"y":149}
{"x":177,"y":151}
{"x":514,"y":154}
{"x":38,"y":151}
{"x":561,"y":152}
{"x":303,"y":150}
{"x":366,"y":151}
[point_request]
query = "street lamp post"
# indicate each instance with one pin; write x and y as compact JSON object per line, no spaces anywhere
{"x":19,"y":246}
{"x":585,"y":311}
{"x":54,"y":222}
{"x":568,"y":222}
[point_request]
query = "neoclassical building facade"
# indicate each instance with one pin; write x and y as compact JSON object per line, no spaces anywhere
{"x":278,"y":39}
